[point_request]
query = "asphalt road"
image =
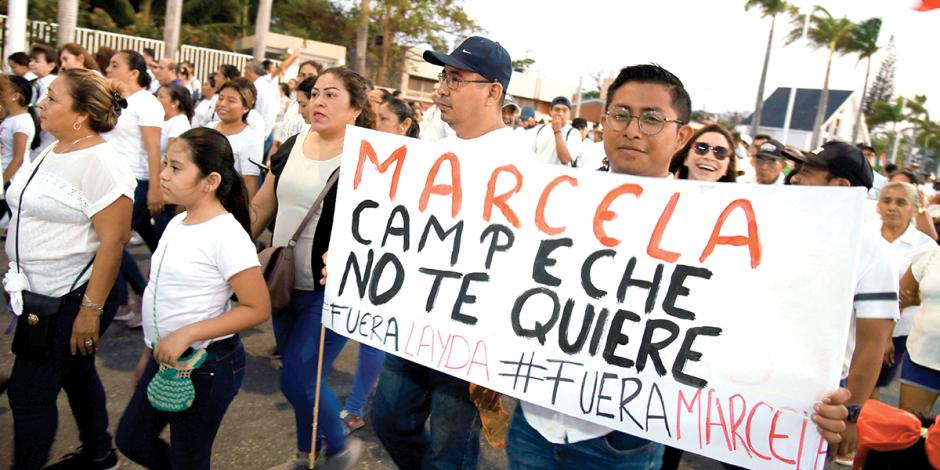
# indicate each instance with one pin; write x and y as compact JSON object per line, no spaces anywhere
{"x":258,"y":430}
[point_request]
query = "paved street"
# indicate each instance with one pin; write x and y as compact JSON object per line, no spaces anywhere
{"x":258,"y":430}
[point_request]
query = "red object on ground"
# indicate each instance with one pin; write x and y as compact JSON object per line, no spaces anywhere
{"x":927,"y":5}
{"x":885,"y":428}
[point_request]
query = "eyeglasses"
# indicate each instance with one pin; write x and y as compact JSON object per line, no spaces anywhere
{"x":720,"y":152}
{"x":650,"y":122}
{"x":454,"y":82}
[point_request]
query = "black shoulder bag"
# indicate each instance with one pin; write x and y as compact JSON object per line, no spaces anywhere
{"x":34,"y":330}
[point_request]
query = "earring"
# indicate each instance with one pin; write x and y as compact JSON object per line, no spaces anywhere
{"x":77,"y":126}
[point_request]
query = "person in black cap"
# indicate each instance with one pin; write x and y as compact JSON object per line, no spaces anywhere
{"x":769,"y":162}
{"x":558,"y":144}
{"x":470,"y":96}
{"x":875,"y":305}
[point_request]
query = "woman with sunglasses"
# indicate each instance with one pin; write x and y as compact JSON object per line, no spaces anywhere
{"x":707,"y":156}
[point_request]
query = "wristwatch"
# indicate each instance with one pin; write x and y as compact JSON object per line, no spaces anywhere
{"x":854,"y":411}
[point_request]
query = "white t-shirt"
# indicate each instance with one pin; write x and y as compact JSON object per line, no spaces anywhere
{"x":204,"y":112}
{"x":172,"y":128}
{"x":256,"y":123}
{"x":267,"y":102}
{"x":12,"y":125}
{"x":190,"y":272}
{"x":876,"y":288}
{"x":592,"y":155}
{"x":923,"y":343}
{"x":41,"y":87}
{"x":301,"y":181}
{"x":67,"y":191}
{"x":291,"y":125}
{"x":433,"y":128}
{"x":543,"y":143}
{"x":247,"y":147}
{"x":905,"y":245}
{"x":143,"y":110}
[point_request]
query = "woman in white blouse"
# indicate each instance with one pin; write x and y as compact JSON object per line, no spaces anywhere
{"x":18,"y":131}
{"x":73,"y":208}
{"x":920,"y":373}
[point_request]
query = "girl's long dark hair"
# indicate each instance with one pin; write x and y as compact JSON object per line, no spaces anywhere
{"x":403,"y":111}
{"x":211,"y":152}
{"x":24,"y":88}
{"x":135,"y":61}
{"x":183,"y":97}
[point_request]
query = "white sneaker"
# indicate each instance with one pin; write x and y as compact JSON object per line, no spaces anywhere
{"x":135,"y":240}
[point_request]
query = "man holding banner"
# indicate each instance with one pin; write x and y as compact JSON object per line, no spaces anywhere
{"x":470,"y":97}
{"x":462,"y":260}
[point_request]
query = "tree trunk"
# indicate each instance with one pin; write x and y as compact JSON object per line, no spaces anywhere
{"x":15,"y":34}
{"x":759,"y":106}
{"x":67,"y":19}
{"x":262,"y":23}
{"x":362,"y":38}
{"x":171,"y":28}
{"x":861,"y":104}
{"x":145,"y":9}
{"x":386,"y":46}
{"x":823,"y":103}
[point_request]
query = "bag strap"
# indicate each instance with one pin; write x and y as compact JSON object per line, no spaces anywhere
{"x":313,"y":209}
{"x":19,"y":206}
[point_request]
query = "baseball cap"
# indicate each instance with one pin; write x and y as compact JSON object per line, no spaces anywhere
{"x":771,"y":148}
{"x":841,"y":159}
{"x":509,"y":101}
{"x":527,"y":112}
{"x":560,"y":100}
{"x":480,"y":55}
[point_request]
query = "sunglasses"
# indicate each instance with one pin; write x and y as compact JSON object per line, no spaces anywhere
{"x":720,"y":152}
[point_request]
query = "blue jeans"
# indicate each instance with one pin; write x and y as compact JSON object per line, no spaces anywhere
{"x":35,"y":383}
{"x":129,"y":274}
{"x":193,"y":430}
{"x":407,"y":395}
{"x":367,"y":372}
{"x":528,"y":450}
{"x":297,"y":333}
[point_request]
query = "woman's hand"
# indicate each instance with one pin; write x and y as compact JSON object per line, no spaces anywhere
{"x":154,"y":199}
{"x":323,"y":271}
{"x":889,"y":353}
{"x":85,"y":329}
{"x":169,"y":349}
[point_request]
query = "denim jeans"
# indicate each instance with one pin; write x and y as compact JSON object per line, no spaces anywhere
{"x":297,"y":333}
{"x":141,"y":218}
{"x":367,"y":372}
{"x":193,"y":430}
{"x":129,"y":274}
{"x":34,"y":387}
{"x":528,"y":450}
{"x":406,"y":396}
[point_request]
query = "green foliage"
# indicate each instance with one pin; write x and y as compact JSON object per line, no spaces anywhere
{"x":593,"y":94}
{"x":864,"y":39}
{"x":825,"y":31}
{"x":320,"y":20}
{"x":882,"y":87}
{"x":884,"y":112}
{"x":771,"y":7}
{"x":522,"y":65}
{"x":123,"y":14}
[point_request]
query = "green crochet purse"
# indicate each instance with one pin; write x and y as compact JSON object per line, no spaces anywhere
{"x":171,"y":389}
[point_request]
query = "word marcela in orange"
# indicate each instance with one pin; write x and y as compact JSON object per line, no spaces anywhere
{"x":602,"y":213}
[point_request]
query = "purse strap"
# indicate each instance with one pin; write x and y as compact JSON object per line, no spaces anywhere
{"x":19,"y":213}
{"x":313,"y":209}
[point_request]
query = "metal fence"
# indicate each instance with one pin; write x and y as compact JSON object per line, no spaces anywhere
{"x":206,"y":60}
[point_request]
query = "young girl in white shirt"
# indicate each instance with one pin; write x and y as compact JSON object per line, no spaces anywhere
{"x":18,"y":132}
{"x":177,"y":112}
{"x":204,"y":255}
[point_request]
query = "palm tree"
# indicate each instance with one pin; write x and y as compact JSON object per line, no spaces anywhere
{"x":770,"y":8}
{"x":67,"y":19}
{"x":835,"y":34}
{"x":865,"y":43}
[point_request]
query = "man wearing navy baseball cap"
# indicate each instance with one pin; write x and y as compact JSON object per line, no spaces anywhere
{"x":558,"y":144}
{"x":875,"y":305}
{"x":470,"y":96}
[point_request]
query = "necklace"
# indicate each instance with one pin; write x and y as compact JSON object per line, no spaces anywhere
{"x":72,"y":145}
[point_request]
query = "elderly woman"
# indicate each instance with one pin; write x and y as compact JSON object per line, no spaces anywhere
{"x":897,"y":205}
{"x":73,"y":209}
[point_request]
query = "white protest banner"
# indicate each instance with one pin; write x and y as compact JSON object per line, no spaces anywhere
{"x":709,"y":317}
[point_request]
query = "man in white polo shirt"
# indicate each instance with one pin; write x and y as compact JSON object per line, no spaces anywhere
{"x":876,"y":293}
{"x":557,"y":143}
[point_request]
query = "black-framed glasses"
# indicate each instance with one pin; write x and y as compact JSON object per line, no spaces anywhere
{"x":454,"y":82}
{"x":650,"y":122}
{"x":720,"y":152}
